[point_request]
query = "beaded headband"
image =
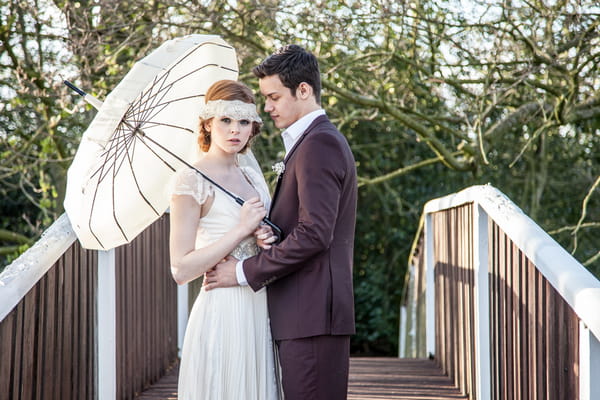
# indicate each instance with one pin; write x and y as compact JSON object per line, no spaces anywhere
{"x":234,"y":109}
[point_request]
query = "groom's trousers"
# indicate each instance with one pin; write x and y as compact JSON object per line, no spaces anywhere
{"x":315,"y":368}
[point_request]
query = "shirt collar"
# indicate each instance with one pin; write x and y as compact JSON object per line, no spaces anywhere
{"x":291,"y":135}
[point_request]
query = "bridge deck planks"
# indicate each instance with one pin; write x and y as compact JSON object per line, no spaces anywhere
{"x":370,"y":378}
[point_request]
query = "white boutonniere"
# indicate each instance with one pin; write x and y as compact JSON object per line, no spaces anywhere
{"x":279,"y":168}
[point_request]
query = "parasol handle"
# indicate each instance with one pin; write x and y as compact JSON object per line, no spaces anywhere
{"x":276,"y":230}
{"x":87,"y":97}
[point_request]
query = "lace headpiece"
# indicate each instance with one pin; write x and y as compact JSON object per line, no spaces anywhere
{"x":234,"y":109}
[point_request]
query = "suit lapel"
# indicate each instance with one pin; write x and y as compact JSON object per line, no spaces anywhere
{"x":279,"y":179}
{"x":288,"y":157}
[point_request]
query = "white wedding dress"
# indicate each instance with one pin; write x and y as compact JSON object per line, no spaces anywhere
{"x":228,"y":350}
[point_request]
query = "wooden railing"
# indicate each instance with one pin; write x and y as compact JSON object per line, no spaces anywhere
{"x":534,"y":339}
{"x":47,"y":348}
{"x":454,"y":300}
{"x":508,"y":313}
{"x":146,"y":312}
{"x":80,"y":324}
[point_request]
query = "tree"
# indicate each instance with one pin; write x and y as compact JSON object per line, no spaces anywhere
{"x":35,"y":147}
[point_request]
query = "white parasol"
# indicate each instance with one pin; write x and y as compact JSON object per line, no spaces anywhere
{"x":144,"y":131}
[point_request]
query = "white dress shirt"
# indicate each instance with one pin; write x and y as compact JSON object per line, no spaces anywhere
{"x":290,"y":136}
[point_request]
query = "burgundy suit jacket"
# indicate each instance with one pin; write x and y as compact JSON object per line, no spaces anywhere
{"x":309,"y":274}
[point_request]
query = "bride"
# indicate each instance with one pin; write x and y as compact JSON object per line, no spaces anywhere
{"x":227,"y":351}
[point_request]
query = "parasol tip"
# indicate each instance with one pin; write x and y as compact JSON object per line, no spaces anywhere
{"x":87,"y":97}
{"x":75,"y":88}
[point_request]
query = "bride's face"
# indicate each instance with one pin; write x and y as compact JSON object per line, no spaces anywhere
{"x":229,"y":135}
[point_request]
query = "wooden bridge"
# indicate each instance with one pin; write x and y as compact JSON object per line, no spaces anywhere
{"x":495,"y":309}
{"x":370,"y":378}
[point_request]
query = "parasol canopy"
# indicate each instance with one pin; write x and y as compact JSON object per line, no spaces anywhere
{"x":145,"y":130}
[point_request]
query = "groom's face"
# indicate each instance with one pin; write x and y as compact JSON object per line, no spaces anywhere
{"x":283,"y":108}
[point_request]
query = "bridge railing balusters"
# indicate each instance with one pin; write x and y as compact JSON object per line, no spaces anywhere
{"x":509,"y":313}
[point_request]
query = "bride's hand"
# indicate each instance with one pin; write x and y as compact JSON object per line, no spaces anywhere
{"x":253,"y":211}
{"x":264,"y":237}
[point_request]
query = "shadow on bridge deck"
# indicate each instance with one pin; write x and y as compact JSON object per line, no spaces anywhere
{"x":370,"y":378}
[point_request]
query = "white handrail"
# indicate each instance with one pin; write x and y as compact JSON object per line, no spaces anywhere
{"x":577,"y":285}
{"x":23,"y":273}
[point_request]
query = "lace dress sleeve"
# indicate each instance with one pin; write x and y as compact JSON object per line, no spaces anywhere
{"x":190,"y":183}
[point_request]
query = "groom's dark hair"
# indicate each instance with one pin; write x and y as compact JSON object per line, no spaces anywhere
{"x":294,"y":65}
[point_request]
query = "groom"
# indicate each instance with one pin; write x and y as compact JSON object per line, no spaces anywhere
{"x":309,"y":274}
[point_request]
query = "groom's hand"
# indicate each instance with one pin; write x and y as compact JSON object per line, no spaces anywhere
{"x":222,"y":274}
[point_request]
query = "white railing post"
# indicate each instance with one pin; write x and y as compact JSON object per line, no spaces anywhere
{"x":402,"y":337}
{"x":407,"y":342}
{"x":482,"y":303}
{"x":182,"y":314}
{"x":589,"y":364}
{"x":430,"y":286}
{"x":107,"y":327}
